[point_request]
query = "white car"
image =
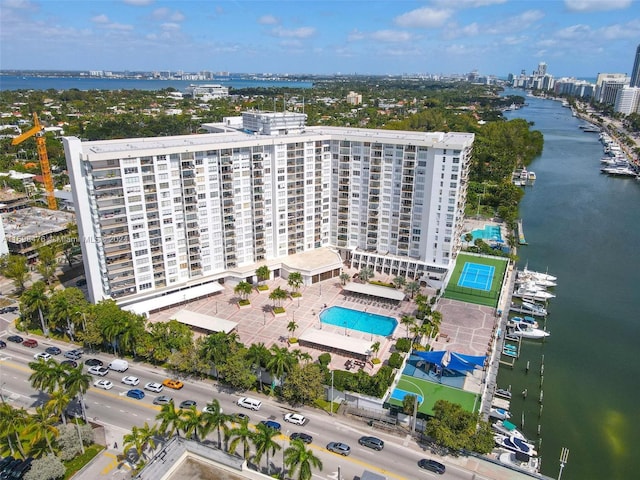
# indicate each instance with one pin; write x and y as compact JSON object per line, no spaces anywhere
{"x":209,"y":409}
{"x":154,"y":387}
{"x":106,"y":384}
{"x":129,"y":380}
{"x":42,"y":356}
{"x":102,"y":371}
{"x":295,"y":418}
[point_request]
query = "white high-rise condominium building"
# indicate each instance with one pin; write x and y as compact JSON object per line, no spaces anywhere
{"x":169,"y":217}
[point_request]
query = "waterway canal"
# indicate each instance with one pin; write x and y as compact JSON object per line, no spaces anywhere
{"x":584,"y":227}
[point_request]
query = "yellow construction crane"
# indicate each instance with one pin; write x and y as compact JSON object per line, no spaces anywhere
{"x":38,"y":131}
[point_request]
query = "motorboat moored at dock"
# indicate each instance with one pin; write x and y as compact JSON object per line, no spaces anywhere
{"x":525,"y":331}
{"x":515,"y":444}
{"x":499,"y":413}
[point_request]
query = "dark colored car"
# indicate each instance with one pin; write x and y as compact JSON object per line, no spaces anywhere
{"x":432,"y":466}
{"x":93,"y":362}
{"x":22,"y":468}
{"x":340,"y":448}
{"x":9,"y":309}
{"x":188,"y":404}
{"x":271,"y":424}
{"x":371,"y":442}
{"x":30,"y":342}
{"x":15,"y":338}
{"x":136,"y":393}
{"x":81,"y":282}
{"x":53,"y":351}
{"x":5,"y":461}
{"x":238,"y":417}
{"x":301,"y":436}
{"x":3,"y":344}
{"x":8,"y":469}
{"x":70,"y":363}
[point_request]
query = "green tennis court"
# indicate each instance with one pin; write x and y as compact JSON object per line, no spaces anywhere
{"x":460,"y":288}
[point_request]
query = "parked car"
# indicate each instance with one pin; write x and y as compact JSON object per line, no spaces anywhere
{"x":271,"y":424}
{"x":105,"y":384}
{"x":30,"y":342}
{"x":432,"y":466}
{"x":3,"y":344}
{"x":371,"y":442}
{"x":301,"y":436}
{"x":340,"y":448}
{"x":295,"y":418}
{"x":81,"y":282}
{"x":162,"y":400}
{"x":42,"y":356}
{"x":175,"y":384}
{"x":9,"y":309}
{"x":188,"y":404}
{"x":69,"y":363}
{"x":136,"y":393}
{"x":239,"y":417}
{"x":131,"y":380}
{"x":152,"y":386}
{"x":15,"y":338}
{"x":102,"y":371}
{"x":53,"y":350}
{"x":93,"y":362}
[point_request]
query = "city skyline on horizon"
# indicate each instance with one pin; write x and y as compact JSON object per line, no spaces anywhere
{"x":577,"y":38}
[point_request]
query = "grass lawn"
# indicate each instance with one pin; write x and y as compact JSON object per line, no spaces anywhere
{"x":432,"y":392}
{"x":472,"y":295}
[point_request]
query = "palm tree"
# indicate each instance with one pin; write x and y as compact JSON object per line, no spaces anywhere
{"x":412,"y":288}
{"x":375,"y":348}
{"x":278,"y":295}
{"x":407,"y":321}
{"x":295,"y":280}
{"x":141,"y":438}
{"x":366,"y":274}
{"x":344,"y":278}
{"x":214,"y":418}
{"x":399,"y":282}
{"x":77,"y":383}
{"x":263,"y":273}
{"x":47,"y":375}
{"x":280,"y":363}
{"x":190,"y":422}
{"x":305,"y":357}
{"x":258,"y":355}
{"x":170,"y":421}
{"x":12,"y":423}
{"x":242,"y":434}
{"x":57,"y":403}
{"x":243,"y":289}
{"x":298,"y":457}
{"x":35,"y":299}
{"x":292,"y":326}
{"x":468,"y":237}
{"x":42,"y":425}
{"x":264,"y":441}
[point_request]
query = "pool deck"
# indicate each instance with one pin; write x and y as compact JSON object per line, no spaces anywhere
{"x":257,"y":323}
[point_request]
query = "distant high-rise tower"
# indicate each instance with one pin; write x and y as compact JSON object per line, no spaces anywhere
{"x":542,"y":68}
{"x":635,"y":74}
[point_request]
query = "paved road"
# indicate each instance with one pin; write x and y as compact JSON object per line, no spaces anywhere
{"x":118,"y":413}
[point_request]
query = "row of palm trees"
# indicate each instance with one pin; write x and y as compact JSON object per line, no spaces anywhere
{"x":30,"y":435}
{"x":233,"y":433}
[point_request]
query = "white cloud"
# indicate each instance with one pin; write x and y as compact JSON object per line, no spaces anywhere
{"x":268,"y":20}
{"x":423,"y":18}
{"x":170,"y":26}
{"x":302,"y":32}
{"x":391,"y":36}
{"x":164,"y":13}
{"x":574,"y":32}
{"x":18,"y":4}
{"x":356,"y":35}
{"x":596,"y":5}
{"x":120,"y":27}
{"x":102,"y":19}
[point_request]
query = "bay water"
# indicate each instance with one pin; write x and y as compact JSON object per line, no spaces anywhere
{"x":583,"y":384}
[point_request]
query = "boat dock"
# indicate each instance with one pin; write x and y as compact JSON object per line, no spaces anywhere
{"x":521,"y":239}
{"x":517,"y":308}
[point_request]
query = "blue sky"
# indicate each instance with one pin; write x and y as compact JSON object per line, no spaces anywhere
{"x":574,"y":37}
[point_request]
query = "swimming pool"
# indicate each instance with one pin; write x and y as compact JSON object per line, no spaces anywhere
{"x":357,"y":320}
{"x":489,"y":232}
